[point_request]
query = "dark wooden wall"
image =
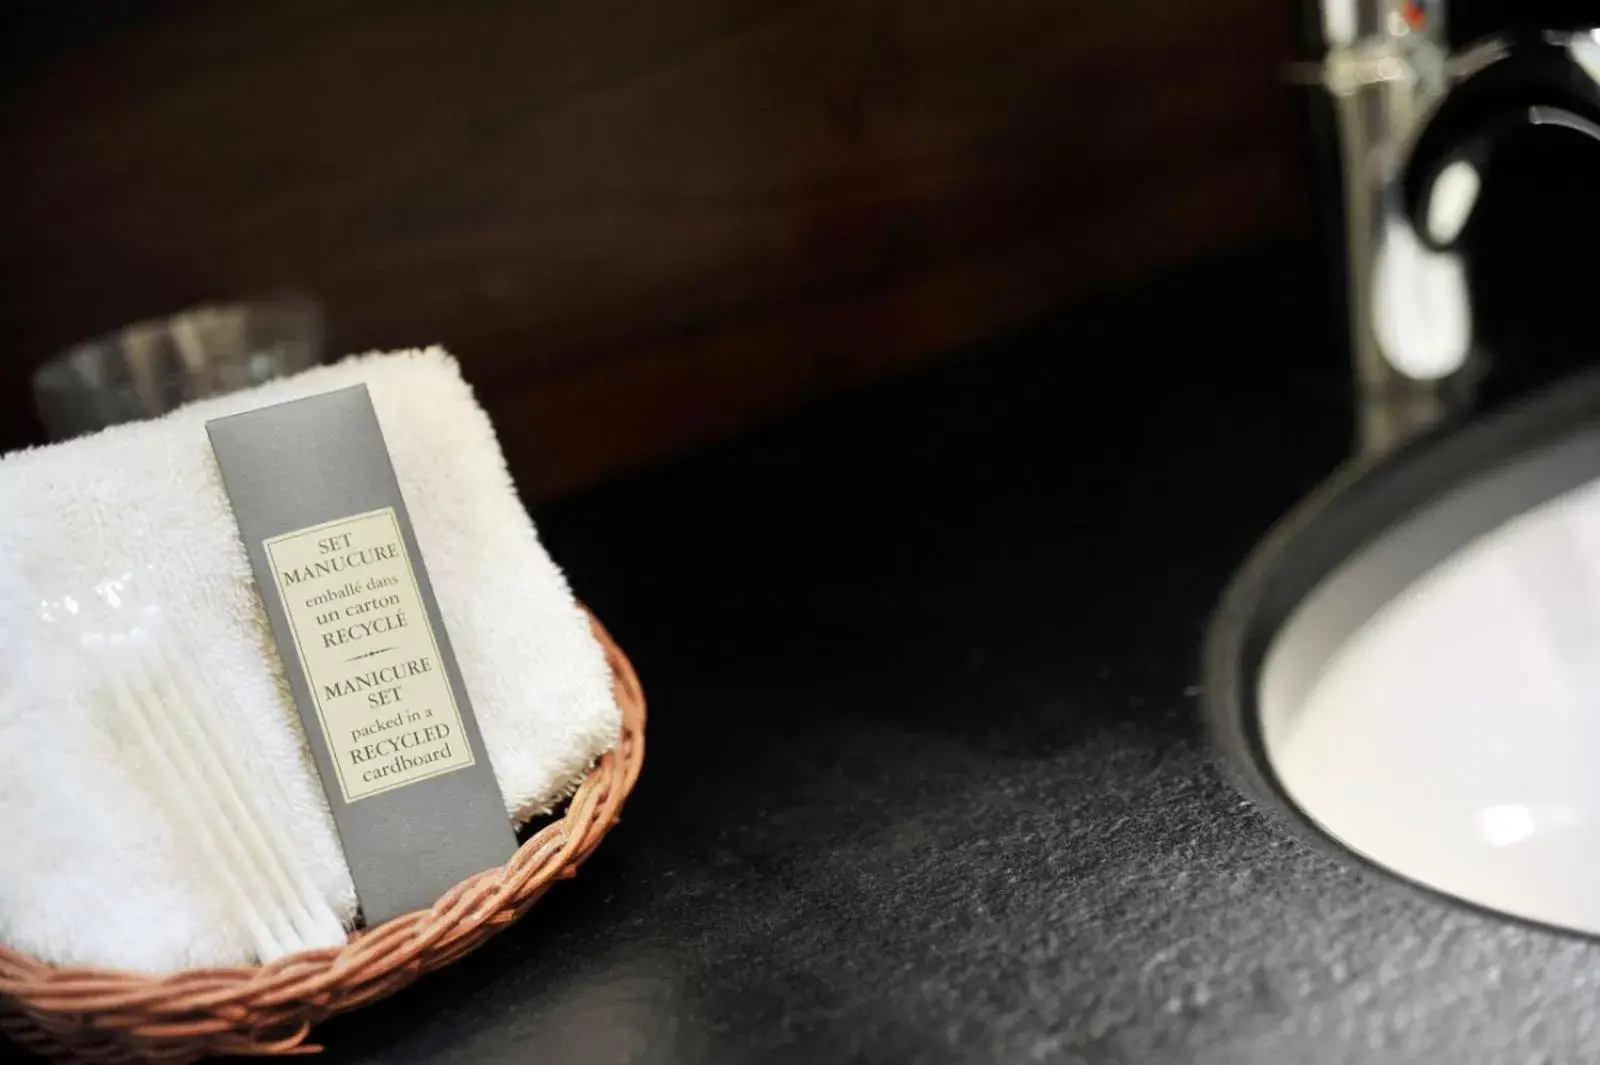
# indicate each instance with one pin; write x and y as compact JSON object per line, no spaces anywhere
{"x":640,"y":223}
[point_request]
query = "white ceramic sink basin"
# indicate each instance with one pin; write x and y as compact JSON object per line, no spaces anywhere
{"x":1409,"y":665}
{"x":1454,"y":738}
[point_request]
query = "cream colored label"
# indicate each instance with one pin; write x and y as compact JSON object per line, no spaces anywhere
{"x":369,"y":653}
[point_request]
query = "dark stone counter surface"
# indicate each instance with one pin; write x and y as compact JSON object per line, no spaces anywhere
{"x":925,"y":778}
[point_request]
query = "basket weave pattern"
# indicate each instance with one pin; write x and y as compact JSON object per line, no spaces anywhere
{"x":117,"y":1018}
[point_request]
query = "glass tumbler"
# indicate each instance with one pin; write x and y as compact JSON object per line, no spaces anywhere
{"x":148,"y":368}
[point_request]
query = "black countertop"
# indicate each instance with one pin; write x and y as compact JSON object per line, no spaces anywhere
{"x":925,"y":778}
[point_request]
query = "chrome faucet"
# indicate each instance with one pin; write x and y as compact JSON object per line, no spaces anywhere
{"x":1415,"y":126}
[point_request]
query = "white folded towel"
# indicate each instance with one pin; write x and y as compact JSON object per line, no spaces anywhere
{"x":97,"y":867}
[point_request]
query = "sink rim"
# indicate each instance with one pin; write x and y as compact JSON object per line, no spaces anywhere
{"x":1372,"y":525}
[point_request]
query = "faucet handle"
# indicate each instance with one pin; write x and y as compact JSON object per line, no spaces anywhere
{"x":1550,"y":82}
{"x":1359,"y":24}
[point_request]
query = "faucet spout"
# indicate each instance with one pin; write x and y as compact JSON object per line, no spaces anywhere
{"x":1416,"y":129}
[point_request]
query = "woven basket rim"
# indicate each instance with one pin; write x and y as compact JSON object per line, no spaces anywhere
{"x":110,"y":1017}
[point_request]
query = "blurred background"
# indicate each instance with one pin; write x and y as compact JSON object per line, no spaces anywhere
{"x":643,"y":226}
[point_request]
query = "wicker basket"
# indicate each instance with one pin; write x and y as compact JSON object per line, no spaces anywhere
{"x":111,"y":1018}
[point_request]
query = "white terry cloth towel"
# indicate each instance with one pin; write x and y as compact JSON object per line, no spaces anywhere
{"x":159,"y":805}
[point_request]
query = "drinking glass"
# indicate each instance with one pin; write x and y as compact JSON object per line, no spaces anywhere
{"x":148,"y":368}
